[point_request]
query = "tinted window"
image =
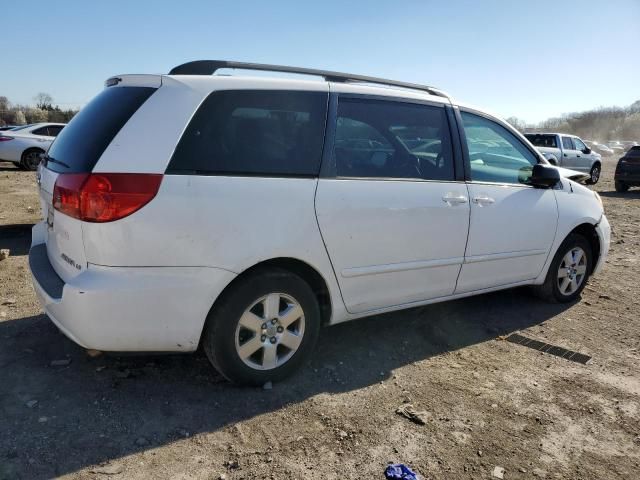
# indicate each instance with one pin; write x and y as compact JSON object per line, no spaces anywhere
{"x":496,"y":154}
{"x":579,"y":145}
{"x":54,"y":130}
{"x":40,"y":131}
{"x":254,"y":132}
{"x":392,"y":140}
{"x":547,"y":141}
{"x":567,"y":143}
{"x":81,"y":143}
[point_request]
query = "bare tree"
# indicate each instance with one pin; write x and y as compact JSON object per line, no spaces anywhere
{"x":517,"y":123}
{"x":44,"y":101}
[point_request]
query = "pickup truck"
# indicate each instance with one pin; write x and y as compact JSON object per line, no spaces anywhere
{"x":568,"y":151}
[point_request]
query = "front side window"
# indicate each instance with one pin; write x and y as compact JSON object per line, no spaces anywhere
{"x":385,"y":139}
{"x":496,"y":154}
{"x":252,"y":132}
{"x":579,"y":145}
{"x":567,"y":144}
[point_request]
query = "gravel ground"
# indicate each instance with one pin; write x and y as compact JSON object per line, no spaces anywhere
{"x":487,"y":402}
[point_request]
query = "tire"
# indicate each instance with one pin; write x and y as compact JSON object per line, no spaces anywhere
{"x":17,"y":164}
{"x":594,"y":174}
{"x":229,"y":344}
{"x":621,"y":187}
{"x":552,"y":289}
{"x":31,"y":158}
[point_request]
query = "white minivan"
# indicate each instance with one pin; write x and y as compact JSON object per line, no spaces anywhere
{"x":242,"y":213}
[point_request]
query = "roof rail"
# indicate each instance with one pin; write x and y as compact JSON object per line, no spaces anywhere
{"x":209,"y":67}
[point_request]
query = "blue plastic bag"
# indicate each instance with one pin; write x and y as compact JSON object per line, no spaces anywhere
{"x":399,"y":471}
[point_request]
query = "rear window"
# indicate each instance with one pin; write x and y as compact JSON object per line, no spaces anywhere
{"x":548,"y":141}
{"x":247,"y":132}
{"x":81,"y":143}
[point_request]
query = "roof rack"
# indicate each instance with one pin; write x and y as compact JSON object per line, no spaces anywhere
{"x":209,"y":67}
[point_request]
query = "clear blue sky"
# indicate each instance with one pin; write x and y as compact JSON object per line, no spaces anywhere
{"x":532,"y":59}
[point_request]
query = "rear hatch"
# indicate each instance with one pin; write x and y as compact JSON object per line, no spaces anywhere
{"x":74,"y":154}
{"x":630,"y":163}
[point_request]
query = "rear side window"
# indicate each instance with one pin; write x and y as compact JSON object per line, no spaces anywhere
{"x":254,"y":132}
{"x":548,"y":141}
{"x":81,"y":143}
{"x":41,"y":131}
{"x":385,"y":139}
{"x":54,"y":130}
{"x":567,"y":143}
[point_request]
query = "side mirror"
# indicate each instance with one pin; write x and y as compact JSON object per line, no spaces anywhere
{"x":552,"y":161}
{"x":586,"y":151}
{"x":544,"y":176}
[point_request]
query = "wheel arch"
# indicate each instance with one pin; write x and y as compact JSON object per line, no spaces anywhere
{"x":28,"y":149}
{"x":588,"y":231}
{"x":298,"y":267}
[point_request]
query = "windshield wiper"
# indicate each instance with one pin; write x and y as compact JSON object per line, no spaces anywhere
{"x":48,"y":159}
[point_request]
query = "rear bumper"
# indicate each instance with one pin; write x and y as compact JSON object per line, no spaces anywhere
{"x":628,"y":176}
{"x":604,"y":235}
{"x":129,"y":308}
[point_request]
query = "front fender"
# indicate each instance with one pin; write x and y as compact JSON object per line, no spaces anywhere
{"x":577,"y":205}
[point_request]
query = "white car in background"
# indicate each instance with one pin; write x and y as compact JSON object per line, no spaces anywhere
{"x":24,"y":145}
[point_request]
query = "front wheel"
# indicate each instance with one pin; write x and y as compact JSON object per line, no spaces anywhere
{"x":569,"y":271}
{"x":263,"y":329}
{"x":621,"y":187}
{"x":594,"y":174}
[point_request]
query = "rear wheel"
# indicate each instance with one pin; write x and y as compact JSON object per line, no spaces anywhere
{"x":621,"y":186}
{"x":569,"y":271}
{"x":263,"y":329}
{"x":31,"y":159}
{"x":595,"y":174}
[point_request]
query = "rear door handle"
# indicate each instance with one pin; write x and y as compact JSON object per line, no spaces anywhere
{"x":452,"y":199}
{"x":483,"y":200}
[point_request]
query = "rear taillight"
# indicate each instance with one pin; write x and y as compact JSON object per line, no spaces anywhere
{"x":5,"y":139}
{"x":103,"y":197}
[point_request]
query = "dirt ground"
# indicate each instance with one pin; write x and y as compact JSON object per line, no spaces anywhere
{"x":489,"y":402}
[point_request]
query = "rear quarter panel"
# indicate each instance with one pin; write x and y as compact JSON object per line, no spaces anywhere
{"x":230,"y":223}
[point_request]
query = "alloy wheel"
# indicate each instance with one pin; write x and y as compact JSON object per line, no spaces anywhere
{"x":572,"y":271}
{"x":270,"y":331}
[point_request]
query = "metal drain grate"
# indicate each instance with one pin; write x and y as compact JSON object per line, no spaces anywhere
{"x":548,"y":348}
